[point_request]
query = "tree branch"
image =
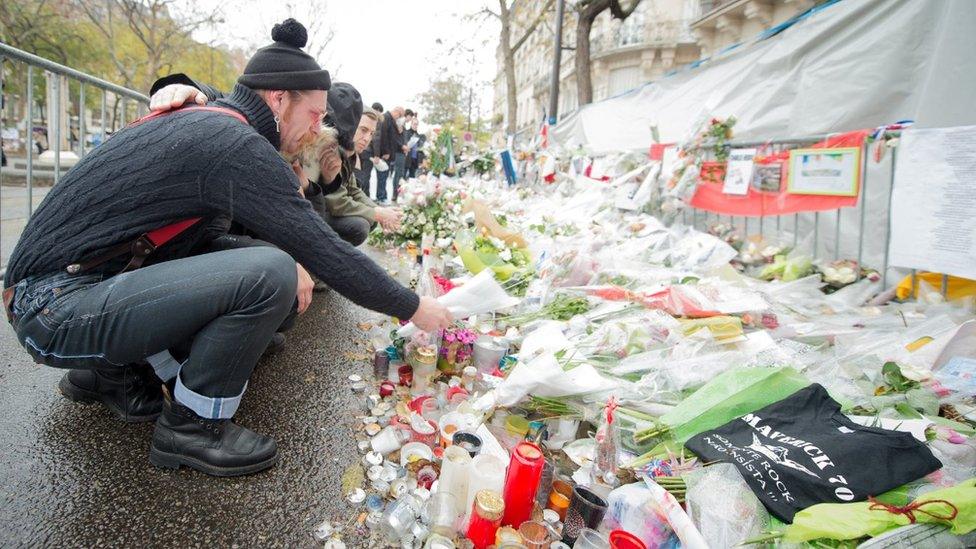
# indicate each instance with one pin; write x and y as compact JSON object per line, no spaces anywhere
{"x":531,"y":29}
{"x":618,"y":12}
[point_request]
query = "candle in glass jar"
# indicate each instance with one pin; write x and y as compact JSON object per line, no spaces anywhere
{"x":522,"y":482}
{"x":455,"y":470}
{"x":487,"y":472}
{"x":486,"y":517}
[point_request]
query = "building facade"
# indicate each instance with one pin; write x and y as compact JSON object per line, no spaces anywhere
{"x":658,"y":37}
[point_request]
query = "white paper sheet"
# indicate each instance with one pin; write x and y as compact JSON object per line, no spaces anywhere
{"x":932,"y":223}
{"x":738,"y":175}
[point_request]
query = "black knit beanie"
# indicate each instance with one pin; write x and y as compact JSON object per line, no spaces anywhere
{"x":345,"y":109}
{"x":283,"y":65}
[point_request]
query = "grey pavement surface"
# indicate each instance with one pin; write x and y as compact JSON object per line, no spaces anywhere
{"x":72,"y":475}
{"x":13,"y":215}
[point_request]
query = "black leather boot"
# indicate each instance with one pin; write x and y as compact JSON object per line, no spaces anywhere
{"x":131,"y":392}
{"x":216,"y":447}
{"x":276,"y":345}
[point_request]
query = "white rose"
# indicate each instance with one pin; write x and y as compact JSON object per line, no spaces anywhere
{"x":505,"y":255}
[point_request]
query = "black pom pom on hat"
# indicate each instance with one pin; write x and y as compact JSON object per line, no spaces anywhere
{"x":290,"y":32}
{"x":283,"y":65}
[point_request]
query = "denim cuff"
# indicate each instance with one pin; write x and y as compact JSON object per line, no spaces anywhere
{"x":207,"y":407}
{"x":165,"y":365}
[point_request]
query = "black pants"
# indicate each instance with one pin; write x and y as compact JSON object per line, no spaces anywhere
{"x":353,"y":229}
{"x":226,"y":304}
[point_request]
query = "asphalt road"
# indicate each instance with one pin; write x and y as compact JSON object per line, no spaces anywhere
{"x":72,"y":475}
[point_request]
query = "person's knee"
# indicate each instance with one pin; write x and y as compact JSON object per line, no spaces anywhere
{"x":358,"y":231}
{"x":273,"y":270}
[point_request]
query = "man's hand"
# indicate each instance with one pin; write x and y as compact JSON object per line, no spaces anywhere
{"x":175,"y":96}
{"x":329,"y":164}
{"x":405,"y":149}
{"x":296,"y":167}
{"x":431,"y":315}
{"x":388,"y":218}
{"x":305,"y":285}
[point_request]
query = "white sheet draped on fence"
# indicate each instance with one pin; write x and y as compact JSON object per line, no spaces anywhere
{"x":854,"y":64}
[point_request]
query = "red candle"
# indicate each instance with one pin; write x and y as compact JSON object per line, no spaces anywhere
{"x":486,"y":517}
{"x":522,"y":482}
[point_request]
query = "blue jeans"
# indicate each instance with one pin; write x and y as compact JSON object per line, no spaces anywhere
{"x":381,"y":185}
{"x":224,"y":306}
{"x":399,"y":167}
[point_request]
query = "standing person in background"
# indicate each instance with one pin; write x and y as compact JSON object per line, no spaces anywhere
{"x":389,"y":146}
{"x":414,"y":154}
{"x":400,"y":155}
{"x":367,"y":157}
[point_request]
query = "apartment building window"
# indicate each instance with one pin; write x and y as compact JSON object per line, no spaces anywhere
{"x":623,"y":79}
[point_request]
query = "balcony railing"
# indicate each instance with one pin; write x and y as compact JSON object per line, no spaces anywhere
{"x":653,"y":33}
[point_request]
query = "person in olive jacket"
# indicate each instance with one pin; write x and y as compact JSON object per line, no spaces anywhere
{"x":344,"y":205}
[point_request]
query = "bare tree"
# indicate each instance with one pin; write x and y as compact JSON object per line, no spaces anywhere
{"x":161,"y":32}
{"x":510,"y":47}
{"x":588,"y":12}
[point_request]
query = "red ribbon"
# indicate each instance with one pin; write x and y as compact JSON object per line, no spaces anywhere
{"x":611,"y":407}
{"x":912,"y":508}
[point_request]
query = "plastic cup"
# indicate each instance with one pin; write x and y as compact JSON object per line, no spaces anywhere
{"x":443,"y":512}
{"x":488,"y":352}
{"x":389,"y":440}
{"x":591,"y":539}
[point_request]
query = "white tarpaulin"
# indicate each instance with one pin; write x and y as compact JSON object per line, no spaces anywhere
{"x":854,"y":64}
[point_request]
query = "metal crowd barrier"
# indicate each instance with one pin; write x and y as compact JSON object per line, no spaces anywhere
{"x":129,"y":104}
{"x":822,"y":224}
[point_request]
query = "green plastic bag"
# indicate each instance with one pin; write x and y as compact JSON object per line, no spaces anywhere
{"x":732,"y":394}
{"x":842,"y":521}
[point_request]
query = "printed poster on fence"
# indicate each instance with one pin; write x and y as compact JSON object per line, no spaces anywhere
{"x":933,"y":226}
{"x":831,"y":172}
{"x":738,"y":173}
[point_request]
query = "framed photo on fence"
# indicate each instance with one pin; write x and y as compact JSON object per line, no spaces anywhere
{"x":768,"y":177}
{"x":832,"y":172}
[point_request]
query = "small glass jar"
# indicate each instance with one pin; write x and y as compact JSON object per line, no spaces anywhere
{"x":486,"y":517}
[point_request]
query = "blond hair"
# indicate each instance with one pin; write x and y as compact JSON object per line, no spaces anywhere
{"x":372,"y":114}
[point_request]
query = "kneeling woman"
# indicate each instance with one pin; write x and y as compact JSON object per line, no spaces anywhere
{"x":339,"y":199}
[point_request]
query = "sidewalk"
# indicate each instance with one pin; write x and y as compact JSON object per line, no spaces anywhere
{"x":74,"y":476}
{"x":13,"y":215}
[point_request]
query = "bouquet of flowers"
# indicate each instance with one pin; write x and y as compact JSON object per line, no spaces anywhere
{"x":430,"y":206}
{"x":457,"y":346}
{"x":511,"y":265}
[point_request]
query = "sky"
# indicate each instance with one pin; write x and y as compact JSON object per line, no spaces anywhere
{"x":388,"y":49}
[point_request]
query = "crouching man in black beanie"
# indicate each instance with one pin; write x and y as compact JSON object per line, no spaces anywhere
{"x":143,"y":199}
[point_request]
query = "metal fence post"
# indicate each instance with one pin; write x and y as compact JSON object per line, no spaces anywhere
{"x":81,"y":119}
{"x":57,"y":127}
{"x":887,"y":241}
{"x":837,"y":237}
{"x":863,"y":192}
{"x":30,"y":140}
{"x":104,"y":100}
{"x":816,"y":232}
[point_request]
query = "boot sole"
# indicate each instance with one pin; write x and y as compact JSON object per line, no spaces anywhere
{"x":166,"y":460}
{"x":77,"y":394}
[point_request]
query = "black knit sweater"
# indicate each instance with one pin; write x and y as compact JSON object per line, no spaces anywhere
{"x":195,"y":164}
